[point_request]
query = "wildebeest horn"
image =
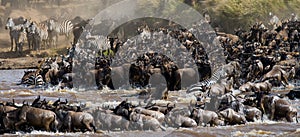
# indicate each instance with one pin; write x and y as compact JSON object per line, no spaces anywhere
{"x":36,"y":100}
{"x":56,"y":102}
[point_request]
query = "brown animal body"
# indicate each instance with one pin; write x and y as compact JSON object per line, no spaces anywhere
{"x":163,"y":109}
{"x":278,"y":108}
{"x":143,"y":122}
{"x":155,"y":114}
{"x":265,"y":87}
{"x":279,"y":74}
{"x":252,"y":113}
{"x":205,"y":116}
{"x":109,"y":121}
{"x":81,"y":120}
{"x":232,"y":117}
{"x":256,"y":70}
{"x":37,"y":117}
{"x":221,"y":87}
{"x":9,"y":117}
{"x":177,"y":120}
{"x":247,"y":87}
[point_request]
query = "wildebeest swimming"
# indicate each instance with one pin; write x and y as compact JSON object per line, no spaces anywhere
{"x":239,"y":92}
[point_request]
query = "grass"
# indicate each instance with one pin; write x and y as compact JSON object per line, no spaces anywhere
{"x":230,"y":14}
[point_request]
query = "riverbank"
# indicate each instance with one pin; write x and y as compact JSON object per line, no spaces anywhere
{"x":19,"y":63}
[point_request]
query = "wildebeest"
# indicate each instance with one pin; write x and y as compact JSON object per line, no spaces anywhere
{"x":37,"y":117}
{"x":265,"y":87}
{"x":278,"y":108}
{"x":77,"y":120}
{"x":143,"y":122}
{"x":206,"y":117}
{"x":279,"y":74}
{"x":177,"y":120}
{"x":252,"y":113}
{"x":163,"y":109}
{"x":232,"y":117}
{"x":108,"y":121}
{"x":247,"y":87}
{"x":5,"y":122}
{"x":155,"y":114}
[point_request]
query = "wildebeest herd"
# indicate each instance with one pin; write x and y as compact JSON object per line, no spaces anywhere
{"x":236,"y":93}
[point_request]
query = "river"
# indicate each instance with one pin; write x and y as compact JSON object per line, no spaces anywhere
{"x":10,"y":89}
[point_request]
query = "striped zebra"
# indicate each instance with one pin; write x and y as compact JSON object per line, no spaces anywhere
{"x":43,"y":32}
{"x":15,"y":30}
{"x":216,"y":76}
{"x":31,"y":78}
{"x":37,"y":35}
{"x":55,"y":29}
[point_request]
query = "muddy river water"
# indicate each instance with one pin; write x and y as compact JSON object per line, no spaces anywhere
{"x":9,"y":89}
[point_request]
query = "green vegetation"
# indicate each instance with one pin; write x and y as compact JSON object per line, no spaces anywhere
{"x":230,"y":14}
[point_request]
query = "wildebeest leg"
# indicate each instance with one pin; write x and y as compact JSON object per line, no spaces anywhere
{"x":17,"y":125}
{"x":272,"y":111}
{"x":94,"y":127}
{"x":11,"y":43}
{"x":48,"y":122}
{"x":284,"y":81}
{"x":110,"y":83}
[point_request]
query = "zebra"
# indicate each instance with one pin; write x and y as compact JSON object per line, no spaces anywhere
{"x":32,"y":78}
{"x":55,"y":29}
{"x":215,"y":77}
{"x":31,"y":30}
{"x":22,"y":39}
{"x":15,"y":31}
{"x":43,"y":33}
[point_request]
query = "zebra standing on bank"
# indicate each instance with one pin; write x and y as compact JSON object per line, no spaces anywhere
{"x":15,"y":30}
{"x":55,"y":28}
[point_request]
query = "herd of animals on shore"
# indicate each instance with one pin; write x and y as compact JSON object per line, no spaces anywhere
{"x":239,"y":91}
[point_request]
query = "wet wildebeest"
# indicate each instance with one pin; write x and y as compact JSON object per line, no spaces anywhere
{"x":37,"y":117}
{"x":177,"y":120}
{"x":279,"y":74}
{"x":264,"y":87}
{"x":103,"y":73}
{"x":232,"y":117}
{"x":278,"y":108}
{"x":155,"y":114}
{"x":247,"y":87}
{"x":256,"y":70}
{"x":252,"y":113}
{"x":170,"y":71}
{"x":77,"y":120}
{"x":205,"y":116}
{"x":124,"y":109}
{"x":163,"y":109}
{"x":143,"y":122}
{"x":228,"y":100}
{"x":105,"y":119}
{"x":221,"y":87}
{"x":4,"y":110}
